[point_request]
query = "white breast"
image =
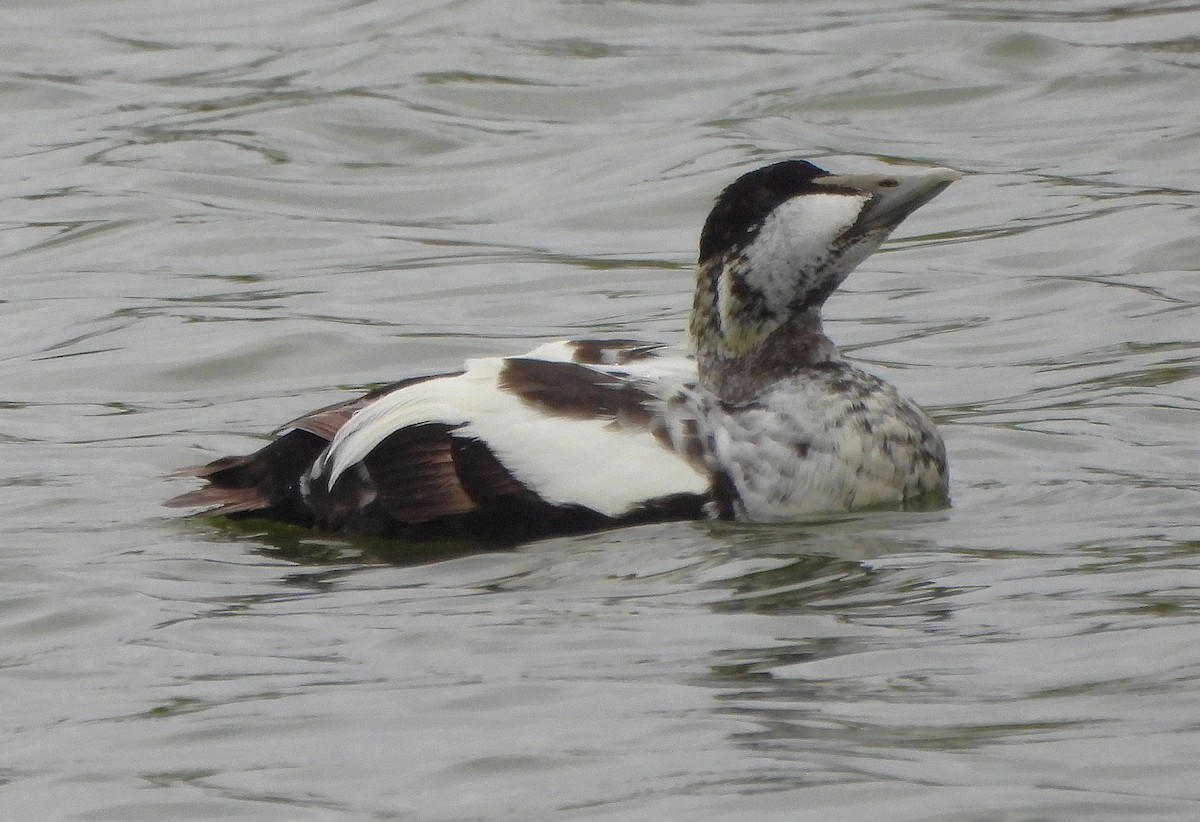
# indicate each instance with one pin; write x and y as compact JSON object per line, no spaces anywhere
{"x":812,"y":445}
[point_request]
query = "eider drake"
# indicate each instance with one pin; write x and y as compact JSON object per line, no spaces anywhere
{"x":762,"y":420}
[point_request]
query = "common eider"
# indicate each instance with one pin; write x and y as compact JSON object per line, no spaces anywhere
{"x":762,"y":420}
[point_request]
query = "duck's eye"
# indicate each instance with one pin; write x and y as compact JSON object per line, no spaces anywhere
{"x":890,"y":182}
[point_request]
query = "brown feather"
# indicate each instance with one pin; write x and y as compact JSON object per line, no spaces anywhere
{"x":612,"y":352}
{"x":415,"y":477}
{"x":568,"y":390}
{"x":226,"y":500}
{"x":210,"y":468}
{"x":326,"y":422}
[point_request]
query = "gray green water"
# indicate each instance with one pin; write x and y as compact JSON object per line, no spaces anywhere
{"x":221,"y":214}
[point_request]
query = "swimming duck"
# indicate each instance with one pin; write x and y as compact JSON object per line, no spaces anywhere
{"x":761,"y":420}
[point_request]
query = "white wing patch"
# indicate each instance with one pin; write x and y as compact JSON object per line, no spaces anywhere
{"x":564,"y":460}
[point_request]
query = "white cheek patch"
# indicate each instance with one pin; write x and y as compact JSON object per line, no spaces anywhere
{"x":796,"y":242}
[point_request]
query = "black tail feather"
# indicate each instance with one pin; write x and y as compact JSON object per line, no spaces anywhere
{"x":263,"y":484}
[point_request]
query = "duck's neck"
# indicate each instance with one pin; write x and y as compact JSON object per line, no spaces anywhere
{"x":785,"y":351}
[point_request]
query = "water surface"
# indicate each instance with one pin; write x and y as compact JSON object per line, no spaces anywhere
{"x":222,"y":215}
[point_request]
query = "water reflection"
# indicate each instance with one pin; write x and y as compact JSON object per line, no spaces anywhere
{"x":306,"y":547}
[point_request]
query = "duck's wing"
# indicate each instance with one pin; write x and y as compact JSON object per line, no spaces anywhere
{"x":506,"y":449}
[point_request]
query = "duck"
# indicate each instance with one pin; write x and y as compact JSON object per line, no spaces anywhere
{"x":758,"y":419}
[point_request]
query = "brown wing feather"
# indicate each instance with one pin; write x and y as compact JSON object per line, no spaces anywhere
{"x":420,"y":474}
{"x":326,"y":422}
{"x":411,"y":475}
{"x":568,"y":390}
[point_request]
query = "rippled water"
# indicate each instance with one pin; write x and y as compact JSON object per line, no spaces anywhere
{"x":219,"y":215}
